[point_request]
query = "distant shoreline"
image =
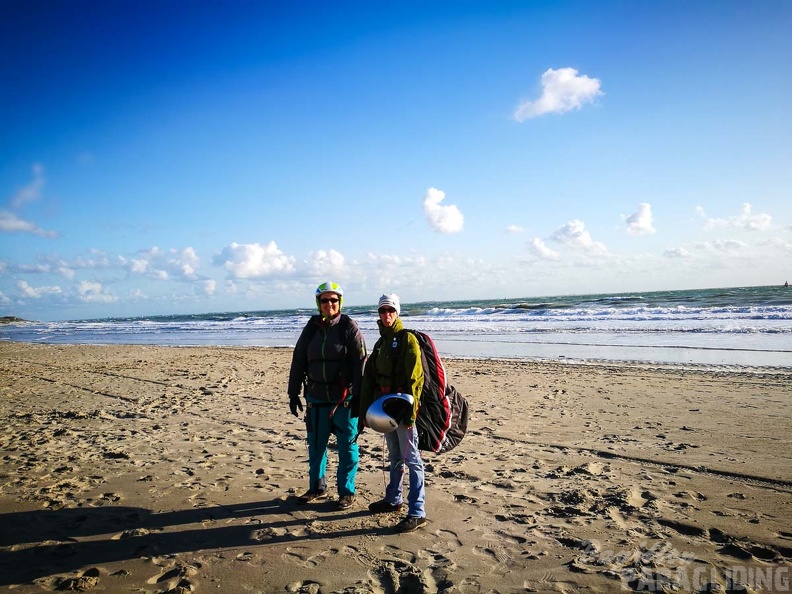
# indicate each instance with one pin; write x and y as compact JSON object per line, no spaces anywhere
{"x":10,"y":319}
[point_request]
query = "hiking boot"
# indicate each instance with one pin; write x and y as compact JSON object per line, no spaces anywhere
{"x":312,"y":495}
{"x":383,"y":507}
{"x":409,"y":524}
{"x":346,"y":501}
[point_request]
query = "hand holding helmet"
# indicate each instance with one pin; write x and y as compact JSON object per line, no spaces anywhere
{"x":388,"y":411}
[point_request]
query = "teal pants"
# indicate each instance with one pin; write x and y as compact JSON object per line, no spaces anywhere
{"x":320,"y":423}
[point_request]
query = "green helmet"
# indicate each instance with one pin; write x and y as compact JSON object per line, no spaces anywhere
{"x":330,"y":287}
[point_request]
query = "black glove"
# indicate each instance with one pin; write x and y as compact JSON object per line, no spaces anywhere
{"x":294,"y":404}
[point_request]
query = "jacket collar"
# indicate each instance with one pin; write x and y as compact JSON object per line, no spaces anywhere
{"x":384,"y":331}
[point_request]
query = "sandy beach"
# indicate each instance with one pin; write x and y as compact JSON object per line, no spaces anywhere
{"x":174,"y":469}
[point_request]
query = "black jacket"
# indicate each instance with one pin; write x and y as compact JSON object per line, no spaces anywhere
{"x":330,"y":355}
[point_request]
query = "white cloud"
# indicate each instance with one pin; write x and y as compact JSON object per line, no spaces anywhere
{"x":641,"y":223}
{"x":540,"y":250}
{"x":139,"y":266}
{"x":779,"y":243}
{"x":719,"y":245}
{"x":36,"y":292}
{"x":32,"y":191}
{"x":11,"y":223}
{"x":94,"y":293}
{"x":445,"y":219}
{"x":514,"y":229}
{"x":253,"y":260}
{"x":161,"y":265}
{"x":574,"y":234}
{"x":744,"y":220}
{"x":677,"y":253}
{"x":210,"y":286}
{"x":328,"y":262}
{"x":562,"y":90}
{"x":380,"y":260}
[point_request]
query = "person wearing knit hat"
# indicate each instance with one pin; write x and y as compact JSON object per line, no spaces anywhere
{"x":395,"y":367}
{"x":327,"y":365}
{"x":391,"y":300}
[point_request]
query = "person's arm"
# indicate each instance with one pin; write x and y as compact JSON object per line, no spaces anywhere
{"x":368,"y":385}
{"x":299,"y":363}
{"x":356,"y":349}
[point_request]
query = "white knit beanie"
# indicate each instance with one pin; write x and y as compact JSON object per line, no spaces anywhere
{"x":391,"y":300}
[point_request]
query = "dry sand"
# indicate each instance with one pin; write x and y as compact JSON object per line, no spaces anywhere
{"x":162,"y":469}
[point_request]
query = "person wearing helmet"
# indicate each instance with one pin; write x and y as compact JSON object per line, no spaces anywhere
{"x":385,"y":375}
{"x":327,"y":365}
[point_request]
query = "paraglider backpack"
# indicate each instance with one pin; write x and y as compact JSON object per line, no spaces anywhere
{"x":443,"y":411}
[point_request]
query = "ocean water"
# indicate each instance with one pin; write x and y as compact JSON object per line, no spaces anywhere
{"x":730,"y":327}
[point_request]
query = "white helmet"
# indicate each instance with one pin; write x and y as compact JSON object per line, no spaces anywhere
{"x":387,"y":411}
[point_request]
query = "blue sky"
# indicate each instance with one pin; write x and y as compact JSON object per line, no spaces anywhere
{"x":177,"y":157}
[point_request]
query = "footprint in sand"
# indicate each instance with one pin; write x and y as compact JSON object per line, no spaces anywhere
{"x":87,"y":580}
{"x":299,"y":555}
{"x":307,"y":587}
{"x":176,"y":575}
{"x":399,"y":576}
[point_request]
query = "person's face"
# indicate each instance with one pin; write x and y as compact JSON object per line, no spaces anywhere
{"x":387,"y":315}
{"x":329,"y":304}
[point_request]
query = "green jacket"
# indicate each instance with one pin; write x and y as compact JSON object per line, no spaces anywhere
{"x":408,"y":372}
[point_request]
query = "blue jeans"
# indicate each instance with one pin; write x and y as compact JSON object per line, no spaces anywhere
{"x":320,"y":425}
{"x":403,"y":450}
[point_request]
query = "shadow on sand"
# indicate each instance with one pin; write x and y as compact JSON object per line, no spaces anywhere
{"x":43,"y":543}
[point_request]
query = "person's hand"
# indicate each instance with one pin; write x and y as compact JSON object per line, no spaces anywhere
{"x":294,"y":404}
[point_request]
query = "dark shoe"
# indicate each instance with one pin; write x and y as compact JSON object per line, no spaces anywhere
{"x":346,"y":501}
{"x":383,"y":507}
{"x":409,"y":524}
{"x":312,"y":495}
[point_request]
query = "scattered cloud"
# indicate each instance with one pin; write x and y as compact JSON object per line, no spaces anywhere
{"x":719,"y":245}
{"x":36,"y":292}
{"x":562,"y":90}
{"x":538,"y":248}
{"x":90,"y":292}
{"x":514,"y":229}
{"x":574,"y":234}
{"x":442,"y":218}
{"x":640,"y":223}
{"x":745,"y":220}
{"x":11,"y":223}
{"x":779,"y":243}
{"x":32,"y":191}
{"x":254,"y":260}
{"x":163,"y":265}
{"x":677,"y":253}
{"x":327,"y":262}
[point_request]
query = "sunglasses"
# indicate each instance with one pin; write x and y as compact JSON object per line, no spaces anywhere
{"x":328,"y":300}
{"x":383,"y":310}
